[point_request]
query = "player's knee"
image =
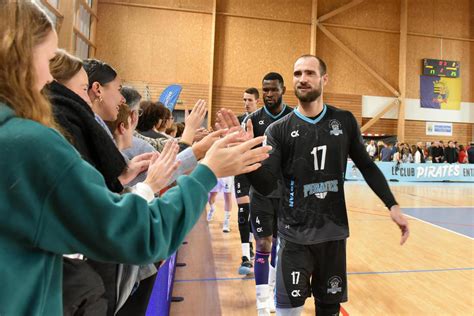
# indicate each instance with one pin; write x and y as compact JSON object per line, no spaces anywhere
{"x":327,"y":309}
{"x":264,"y":244}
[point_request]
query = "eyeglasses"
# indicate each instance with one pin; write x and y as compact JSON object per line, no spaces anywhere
{"x":139,"y":112}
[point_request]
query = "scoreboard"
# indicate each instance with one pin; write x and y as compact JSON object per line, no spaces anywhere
{"x":442,"y":68}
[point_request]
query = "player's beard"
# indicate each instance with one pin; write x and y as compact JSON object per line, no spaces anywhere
{"x":309,"y":96}
{"x":272,"y":106}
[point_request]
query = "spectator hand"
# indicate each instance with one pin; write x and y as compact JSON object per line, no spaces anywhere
{"x":402,"y":222}
{"x":162,"y":167}
{"x":226,"y":119}
{"x":135,"y":166}
{"x":194,"y":121}
{"x":225,"y":160}
{"x":200,"y":148}
{"x":200,"y":134}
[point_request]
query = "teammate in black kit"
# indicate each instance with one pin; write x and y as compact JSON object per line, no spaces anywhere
{"x":310,"y":150}
{"x":263,"y":209}
{"x":242,"y":187}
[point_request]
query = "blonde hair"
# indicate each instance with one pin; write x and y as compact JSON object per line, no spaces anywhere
{"x":23,"y":25}
{"x":64,"y":66}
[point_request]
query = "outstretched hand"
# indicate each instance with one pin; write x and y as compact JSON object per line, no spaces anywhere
{"x":402,"y":222}
{"x":226,"y":119}
{"x":227,"y":160}
{"x":135,"y":166}
{"x":162,"y":167}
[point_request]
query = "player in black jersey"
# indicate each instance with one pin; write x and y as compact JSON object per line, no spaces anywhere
{"x":310,"y":150}
{"x":242,"y":187}
{"x":263,"y":209}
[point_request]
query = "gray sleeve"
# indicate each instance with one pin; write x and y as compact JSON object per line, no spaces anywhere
{"x":188,"y":163}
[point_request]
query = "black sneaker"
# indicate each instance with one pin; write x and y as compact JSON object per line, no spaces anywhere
{"x":252,"y":254}
{"x":246,"y":266}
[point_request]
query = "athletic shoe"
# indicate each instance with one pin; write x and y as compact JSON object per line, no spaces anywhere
{"x":271,"y":304}
{"x":252,"y":253}
{"x":263,"y":312}
{"x":226,"y":226}
{"x":246,"y":266}
{"x":210,"y":214}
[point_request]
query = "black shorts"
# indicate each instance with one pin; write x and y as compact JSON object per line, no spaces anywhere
{"x":304,"y":269}
{"x":241,"y":186}
{"x":263,"y":215}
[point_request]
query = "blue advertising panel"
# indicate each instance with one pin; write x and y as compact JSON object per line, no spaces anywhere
{"x":412,"y":172}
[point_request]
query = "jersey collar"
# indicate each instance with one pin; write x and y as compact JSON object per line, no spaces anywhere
{"x":275,"y":116}
{"x":307,"y":119}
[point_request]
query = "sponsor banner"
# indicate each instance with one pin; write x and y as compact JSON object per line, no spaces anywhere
{"x":169,"y":97}
{"x":441,"y":129}
{"x":160,"y":299}
{"x":413,"y":172}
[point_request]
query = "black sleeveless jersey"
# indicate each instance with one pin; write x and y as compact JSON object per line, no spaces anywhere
{"x":312,"y":156}
{"x":261,"y":119}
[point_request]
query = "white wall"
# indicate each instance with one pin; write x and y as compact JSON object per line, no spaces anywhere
{"x":372,"y":105}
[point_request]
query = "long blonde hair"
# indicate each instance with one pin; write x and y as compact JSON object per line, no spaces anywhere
{"x":64,"y":66}
{"x":23,"y":25}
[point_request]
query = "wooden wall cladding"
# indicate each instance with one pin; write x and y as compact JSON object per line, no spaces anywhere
{"x":298,"y":10}
{"x":447,"y":18}
{"x":378,"y":50}
{"x":415,"y":131}
{"x":247,"y":49}
{"x":159,"y":46}
{"x":155,"y":45}
{"x":383,"y":14}
{"x":205,"y":5}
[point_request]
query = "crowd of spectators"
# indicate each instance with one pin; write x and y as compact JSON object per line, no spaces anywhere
{"x":435,"y":152}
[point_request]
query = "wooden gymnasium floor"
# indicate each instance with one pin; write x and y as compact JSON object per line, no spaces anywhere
{"x":433,"y":274}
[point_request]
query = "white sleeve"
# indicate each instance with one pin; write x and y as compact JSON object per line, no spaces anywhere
{"x":143,"y":190}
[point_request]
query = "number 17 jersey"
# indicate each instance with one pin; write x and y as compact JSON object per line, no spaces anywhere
{"x":312,"y":156}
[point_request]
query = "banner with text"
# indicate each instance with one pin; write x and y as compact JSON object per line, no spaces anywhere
{"x":440,"y":129}
{"x":422,"y":172}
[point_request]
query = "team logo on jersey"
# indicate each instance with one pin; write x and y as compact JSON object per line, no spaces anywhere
{"x":335,"y":126}
{"x":295,"y":134}
{"x":334,"y":285}
{"x":261,"y":122}
{"x":320,"y":190}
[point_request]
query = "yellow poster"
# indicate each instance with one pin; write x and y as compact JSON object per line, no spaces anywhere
{"x":452,"y":87}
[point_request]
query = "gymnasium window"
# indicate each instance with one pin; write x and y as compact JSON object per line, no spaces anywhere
{"x":50,"y":7}
{"x":85,"y":17}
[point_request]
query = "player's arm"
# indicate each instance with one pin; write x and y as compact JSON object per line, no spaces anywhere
{"x":375,"y":178}
{"x":265,"y":179}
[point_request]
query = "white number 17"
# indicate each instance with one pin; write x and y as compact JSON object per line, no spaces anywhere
{"x":323,"y":157}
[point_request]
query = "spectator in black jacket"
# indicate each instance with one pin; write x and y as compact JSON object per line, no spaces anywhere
{"x":437,"y":153}
{"x":450,"y":153}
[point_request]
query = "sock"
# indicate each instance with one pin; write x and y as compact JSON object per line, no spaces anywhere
{"x":294,"y":311}
{"x":261,"y":267}
{"x":263,"y":293}
{"x":226,"y":215}
{"x":328,"y":309}
{"x":274,"y":248}
{"x":251,"y":239}
{"x":246,"y":250}
{"x":243,"y":220}
{"x":272,"y":277}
